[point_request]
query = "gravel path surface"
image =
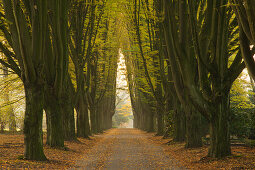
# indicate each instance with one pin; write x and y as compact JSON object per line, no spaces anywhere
{"x":126,"y":149}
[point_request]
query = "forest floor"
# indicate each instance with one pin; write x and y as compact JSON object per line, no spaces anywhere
{"x":122,"y":149}
{"x":12,"y":150}
{"x":243,"y":157}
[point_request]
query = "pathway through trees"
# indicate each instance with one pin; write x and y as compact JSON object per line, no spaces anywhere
{"x":127,"y":149}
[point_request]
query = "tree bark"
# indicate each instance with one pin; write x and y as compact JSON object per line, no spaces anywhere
{"x":160,"y":119}
{"x":83,"y":127}
{"x":193,"y":125}
{"x":99,"y":120}
{"x":54,"y":113}
{"x":219,"y":130}
{"x":179,"y":134}
{"x":93,"y":119}
{"x":150,"y":122}
{"x":135,"y":121}
{"x":2,"y":126}
{"x":68,"y":120}
{"x":33,"y":123}
{"x":68,"y":110}
{"x":160,"y":123}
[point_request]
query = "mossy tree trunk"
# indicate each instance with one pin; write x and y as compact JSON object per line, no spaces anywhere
{"x":99,"y":120}
{"x":160,"y":120}
{"x":56,"y":74}
{"x":83,"y":127}
{"x":93,"y":119}
{"x":179,"y":120}
{"x":219,"y":129}
{"x":33,"y":123}
{"x":25,"y":33}
{"x":193,"y":128}
{"x":54,"y":114}
{"x":149,"y":121}
{"x":68,"y":110}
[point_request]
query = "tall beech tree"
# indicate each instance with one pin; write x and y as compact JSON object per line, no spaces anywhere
{"x":80,"y":24}
{"x":55,"y":70}
{"x":23,"y":31}
{"x":193,"y":136}
{"x":203,"y":61}
{"x":93,"y":66}
{"x":42,"y":68}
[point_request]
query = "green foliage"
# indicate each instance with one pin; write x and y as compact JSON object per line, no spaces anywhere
{"x":240,"y":92}
{"x":240,"y":122}
{"x":242,"y":107}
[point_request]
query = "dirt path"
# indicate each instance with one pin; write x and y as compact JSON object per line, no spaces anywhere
{"x":126,"y":149}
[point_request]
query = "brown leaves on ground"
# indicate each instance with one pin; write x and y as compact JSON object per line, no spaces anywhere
{"x":12,"y":149}
{"x":242,"y":157}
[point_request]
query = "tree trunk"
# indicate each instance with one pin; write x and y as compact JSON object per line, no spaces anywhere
{"x":103,"y":117}
{"x":93,"y":119}
{"x":160,"y":120}
{"x":2,"y":126}
{"x":139,"y":121}
{"x":179,"y":124}
{"x":193,"y":125}
{"x":33,"y":123}
{"x":68,"y":111}
{"x":219,"y":131}
{"x":142,"y":123}
{"x":135,"y":120}
{"x":12,"y":121}
{"x":149,"y":122}
{"x":54,"y":113}
{"x":99,"y":120}
{"x":83,"y":127}
{"x":160,"y":124}
{"x":109,"y":122}
{"x":68,"y":120}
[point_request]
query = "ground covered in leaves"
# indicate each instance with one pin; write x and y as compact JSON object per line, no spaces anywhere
{"x":242,"y":157}
{"x":12,"y":149}
{"x":127,"y":149}
{"x":122,"y":148}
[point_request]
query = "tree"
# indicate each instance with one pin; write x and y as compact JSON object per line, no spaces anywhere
{"x":79,"y":32}
{"x":55,"y":70}
{"x":205,"y":66}
{"x":27,"y":24}
{"x":29,"y":66}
